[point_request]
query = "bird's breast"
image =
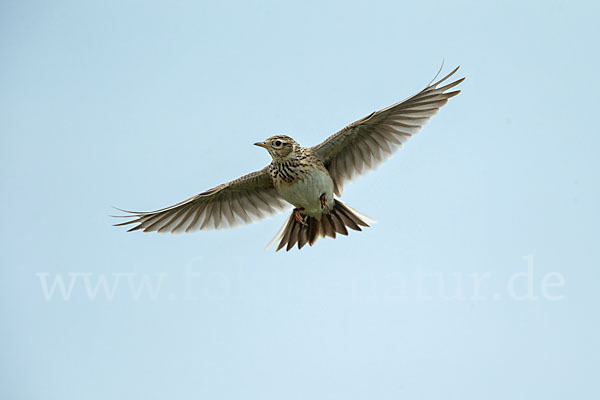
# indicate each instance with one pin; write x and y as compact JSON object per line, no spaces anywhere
{"x":305,"y":191}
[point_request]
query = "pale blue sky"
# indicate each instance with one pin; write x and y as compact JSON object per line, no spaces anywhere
{"x":142,"y":104}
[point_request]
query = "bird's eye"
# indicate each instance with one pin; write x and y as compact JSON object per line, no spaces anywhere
{"x":277,"y":143}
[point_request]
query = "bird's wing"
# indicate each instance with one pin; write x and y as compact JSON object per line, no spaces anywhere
{"x":366,"y":143}
{"x":241,"y":201}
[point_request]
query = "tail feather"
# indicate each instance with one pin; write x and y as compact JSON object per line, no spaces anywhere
{"x":338,"y":219}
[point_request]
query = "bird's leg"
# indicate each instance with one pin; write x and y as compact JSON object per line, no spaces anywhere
{"x":298,"y":216}
{"x":323,"y":199}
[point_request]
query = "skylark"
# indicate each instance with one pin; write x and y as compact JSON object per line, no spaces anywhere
{"x":305,"y":177}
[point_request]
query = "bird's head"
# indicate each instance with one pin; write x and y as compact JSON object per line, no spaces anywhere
{"x":280,"y":147}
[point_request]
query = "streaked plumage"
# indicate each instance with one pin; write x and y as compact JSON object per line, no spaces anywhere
{"x":307,"y":178}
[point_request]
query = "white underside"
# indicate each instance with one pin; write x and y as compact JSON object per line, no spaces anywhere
{"x":306,"y":193}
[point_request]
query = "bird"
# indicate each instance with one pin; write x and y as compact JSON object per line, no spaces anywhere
{"x":311,"y":179}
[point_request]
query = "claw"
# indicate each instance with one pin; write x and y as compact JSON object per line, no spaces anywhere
{"x":323,"y":199}
{"x":298,"y":216}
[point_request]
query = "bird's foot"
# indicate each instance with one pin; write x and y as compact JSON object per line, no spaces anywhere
{"x":298,"y":216}
{"x":323,"y":199}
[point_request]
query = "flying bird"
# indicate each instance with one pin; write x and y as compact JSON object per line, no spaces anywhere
{"x":308,"y":178}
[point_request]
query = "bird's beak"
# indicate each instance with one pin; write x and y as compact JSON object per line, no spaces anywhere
{"x":261,"y":144}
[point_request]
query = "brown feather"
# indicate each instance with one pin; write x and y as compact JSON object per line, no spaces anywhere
{"x":327,"y":226}
{"x":302,"y":236}
{"x":295,"y":230}
{"x":348,"y":212}
{"x":285,"y":238}
{"x":315,"y":230}
{"x":347,"y":221}
{"x":338,"y":224}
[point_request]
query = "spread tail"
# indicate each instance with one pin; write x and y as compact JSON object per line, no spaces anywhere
{"x":308,"y":231}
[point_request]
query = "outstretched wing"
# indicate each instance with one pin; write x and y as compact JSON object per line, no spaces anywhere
{"x":366,"y":143}
{"x":241,"y":201}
